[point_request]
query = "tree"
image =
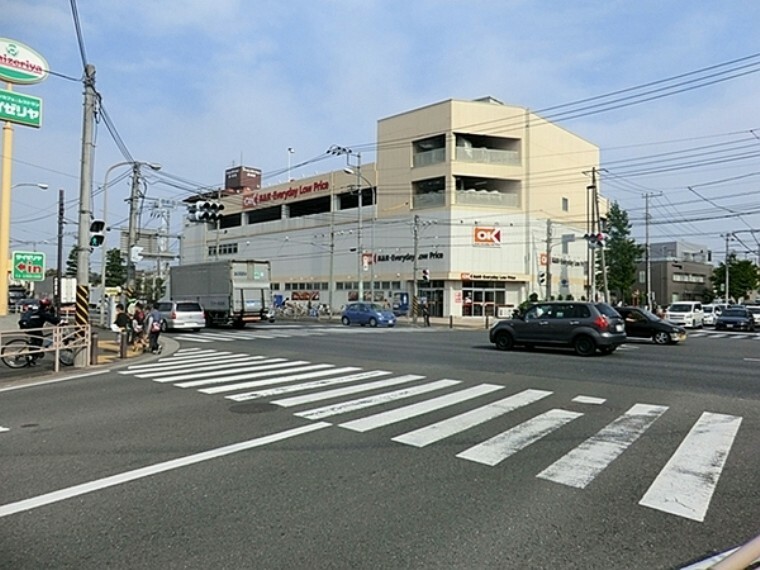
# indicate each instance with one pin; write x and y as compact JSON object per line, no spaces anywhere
{"x":622,"y":253}
{"x":116,"y":268}
{"x":72,"y":262}
{"x":743,"y":277}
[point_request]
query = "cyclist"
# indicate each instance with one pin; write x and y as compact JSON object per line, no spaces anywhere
{"x":35,"y":319}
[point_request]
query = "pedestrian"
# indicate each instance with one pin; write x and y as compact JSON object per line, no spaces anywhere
{"x":153,"y":325}
{"x":138,"y":328}
{"x":35,"y":320}
{"x":426,"y":314}
{"x":122,"y":323}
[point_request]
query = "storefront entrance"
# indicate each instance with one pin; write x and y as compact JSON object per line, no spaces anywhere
{"x":480,"y":298}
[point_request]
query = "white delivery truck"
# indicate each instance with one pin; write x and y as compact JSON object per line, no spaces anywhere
{"x":230,"y":292}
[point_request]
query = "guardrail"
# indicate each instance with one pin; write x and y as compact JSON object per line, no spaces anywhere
{"x":68,"y":339}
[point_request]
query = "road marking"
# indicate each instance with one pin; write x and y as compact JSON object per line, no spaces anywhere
{"x":581,"y":465}
{"x":261,"y":368}
{"x":99,"y":484}
{"x":329,"y":394}
{"x":56,"y":380}
{"x":315,"y":373}
{"x":589,"y":400}
{"x":159,"y":369}
{"x":312,"y":385}
{"x":450,"y":426}
{"x":495,"y":450}
{"x":413,"y":410}
{"x":353,"y":405}
{"x":4,"y":429}
{"x":686,"y":484}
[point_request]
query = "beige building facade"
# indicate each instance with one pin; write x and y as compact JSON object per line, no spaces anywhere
{"x":473,"y":205}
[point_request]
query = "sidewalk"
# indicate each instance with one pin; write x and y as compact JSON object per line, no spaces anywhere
{"x":108,"y":346}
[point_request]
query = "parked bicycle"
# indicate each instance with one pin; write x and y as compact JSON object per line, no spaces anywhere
{"x":22,"y":352}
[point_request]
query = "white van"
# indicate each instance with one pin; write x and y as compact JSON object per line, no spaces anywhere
{"x":686,"y":313}
{"x":712,"y":312}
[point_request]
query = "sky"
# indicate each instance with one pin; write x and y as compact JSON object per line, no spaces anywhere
{"x":199,"y":87}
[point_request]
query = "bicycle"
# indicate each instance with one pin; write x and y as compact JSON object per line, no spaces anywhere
{"x":20,"y":352}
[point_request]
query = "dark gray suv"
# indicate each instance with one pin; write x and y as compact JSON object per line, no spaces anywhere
{"x":585,"y":327}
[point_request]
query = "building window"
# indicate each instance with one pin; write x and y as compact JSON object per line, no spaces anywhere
{"x":565,"y":204}
{"x":270,"y":214}
{"x":231,"y":221}
{"x":224,"y":249}
{"x":429,"y":151}
{"x":429,"y":193}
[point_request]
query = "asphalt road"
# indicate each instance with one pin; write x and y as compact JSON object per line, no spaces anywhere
{"x":642,"y":459}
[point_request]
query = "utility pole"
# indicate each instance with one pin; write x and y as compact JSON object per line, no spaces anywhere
{"x":416,"y":231}
{"x":59,"y":260}
{"x":134,"y":198}
{"x":548,"y":260}
{"x":648,"y":252}
{"x":726,"y":294}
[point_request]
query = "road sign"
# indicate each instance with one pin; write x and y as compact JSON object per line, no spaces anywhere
{"x":28,"y":266}
{"x":19,"y":108}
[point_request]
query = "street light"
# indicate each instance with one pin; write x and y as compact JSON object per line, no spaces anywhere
{"x":103,"y":258}
{"x":39,"y":185}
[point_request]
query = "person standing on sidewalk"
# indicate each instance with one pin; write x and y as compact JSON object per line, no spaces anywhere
{"x":153,"y":326}
{"x":426,"y":314}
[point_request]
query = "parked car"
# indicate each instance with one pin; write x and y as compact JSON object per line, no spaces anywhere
{"x":586,"y":327}
{"x":640,"y":323}
{"x":15,"y":294}
{"x":755,"y":310}
{"x":735,"y":318}
{"x":181,"y":315}
{"x":367,"y":314}
{"x":686,"y":313}
{"x":24,"y":305}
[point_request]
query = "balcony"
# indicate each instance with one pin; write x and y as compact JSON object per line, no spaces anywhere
{"x":488,"y":156}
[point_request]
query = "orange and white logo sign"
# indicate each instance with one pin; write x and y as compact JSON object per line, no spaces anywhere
{"x":542,"y":257}
{"x":487,"y":236}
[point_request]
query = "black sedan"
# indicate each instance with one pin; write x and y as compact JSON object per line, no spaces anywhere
{"x":735,"y":318}
{"x":640,"y":323}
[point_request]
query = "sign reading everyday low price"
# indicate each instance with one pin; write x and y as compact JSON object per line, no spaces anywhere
{"x":28,"y":266}
{"x":19,"y":108}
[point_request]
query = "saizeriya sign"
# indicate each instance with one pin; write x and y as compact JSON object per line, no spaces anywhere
{"x":20,"y":63}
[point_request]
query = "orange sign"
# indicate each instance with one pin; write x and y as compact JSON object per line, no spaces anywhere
{"x":487,"y":236}
{"x":542,"y":257}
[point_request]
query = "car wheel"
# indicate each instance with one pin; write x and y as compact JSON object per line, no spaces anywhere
{"x":504,"y":341}
{"x":346,"y":321}
{"x":661,"y":337}
{"x":373,"y":322}
{"x":164,"y":326}
{"x":584,"y":345}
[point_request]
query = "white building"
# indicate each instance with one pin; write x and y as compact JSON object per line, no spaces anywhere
{"x":474,"y":195}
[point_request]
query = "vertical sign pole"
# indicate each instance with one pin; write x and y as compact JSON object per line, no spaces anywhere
{"x":5,"y":213}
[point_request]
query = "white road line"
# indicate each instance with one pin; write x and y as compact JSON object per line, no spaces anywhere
{"x":406,"y":412}
{"x":495,"y":450}
{"x":310,"y":385}
{"x":159,"y":369}
{"x":193,"y":349}
{"x":579,"y":467}
{"x":193,"y":358}
{"x":97,"y":485}
{"x":283,"y":379}
{"x":589,"y":400}
{"x":268,"y":364}
{"x":338,"y":392}
{"x":230,"y":362}
{"x":686,"y":484}
{"x":353,"y":405}
{"x":196,"y":355}
{"x":448,"y":427}
{"x":191,"y":339}
{"x":4,"y":429}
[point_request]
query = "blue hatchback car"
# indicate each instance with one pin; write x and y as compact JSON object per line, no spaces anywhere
{"x":367,"y":314}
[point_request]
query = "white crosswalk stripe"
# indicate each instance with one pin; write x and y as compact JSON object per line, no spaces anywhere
{"x":209,"y":336}
{"x":684,"y":487}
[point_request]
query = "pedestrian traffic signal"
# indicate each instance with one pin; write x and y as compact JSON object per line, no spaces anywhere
{"x":542,"y":278}
{"x":595,"y":240}
{"x":97,"y":233}
{"x":426,"y":275}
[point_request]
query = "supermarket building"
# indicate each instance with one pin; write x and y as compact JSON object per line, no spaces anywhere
{"x":482,"y":202}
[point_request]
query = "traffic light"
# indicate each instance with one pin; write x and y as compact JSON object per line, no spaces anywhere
{"x":593,"y":240}
{"x":542,"y":278}
{"x":601,"y":239}
{"x":97,"y":233}
{"x":205,"y":211}
{"x":426,"y":275}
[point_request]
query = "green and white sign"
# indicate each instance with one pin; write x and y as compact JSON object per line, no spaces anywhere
{"x":22,"y":109}
{"x":20,"y":63}
{"x":28,"y":266}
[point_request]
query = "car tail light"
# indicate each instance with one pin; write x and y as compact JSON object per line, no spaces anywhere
{"x":601,"y":322}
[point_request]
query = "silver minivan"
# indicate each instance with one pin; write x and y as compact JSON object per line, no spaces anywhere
{"x":181,"y":315}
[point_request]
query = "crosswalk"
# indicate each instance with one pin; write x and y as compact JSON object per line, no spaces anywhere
{"x":711,"y":333}
{"x":319,"y":390}
{"x":288,"y":331}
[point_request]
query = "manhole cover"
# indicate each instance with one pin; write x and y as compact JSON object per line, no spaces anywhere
{"x":252,"y":408}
